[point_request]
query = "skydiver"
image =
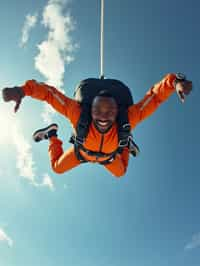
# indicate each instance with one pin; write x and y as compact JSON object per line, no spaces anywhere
{"x":102,"y":138}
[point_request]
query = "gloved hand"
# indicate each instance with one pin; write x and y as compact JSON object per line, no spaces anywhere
{"x":183,"y":88}
{"x":13,"y":94}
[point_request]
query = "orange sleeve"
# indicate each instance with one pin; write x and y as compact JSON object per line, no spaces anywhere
{"x":61,"y":103}
{"x":159,"y":93}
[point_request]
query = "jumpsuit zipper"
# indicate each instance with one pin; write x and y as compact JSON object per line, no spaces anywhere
{"x":101,"y":144}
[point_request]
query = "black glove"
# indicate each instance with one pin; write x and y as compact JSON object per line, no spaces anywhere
{"x":13,"y":94}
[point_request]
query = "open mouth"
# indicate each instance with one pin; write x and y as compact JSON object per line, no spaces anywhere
{"x":103,"y":123}
{"x":103,"y":126}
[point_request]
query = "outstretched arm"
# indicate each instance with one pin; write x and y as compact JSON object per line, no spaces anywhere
{"x":51,"y":95}
{"x":43,"y":92}
{"x":159,"y":93}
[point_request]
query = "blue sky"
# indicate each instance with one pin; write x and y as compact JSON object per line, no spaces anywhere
{"x":87,"y":217}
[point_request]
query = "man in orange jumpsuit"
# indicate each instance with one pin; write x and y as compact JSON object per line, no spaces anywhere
{"x":102,"y":135}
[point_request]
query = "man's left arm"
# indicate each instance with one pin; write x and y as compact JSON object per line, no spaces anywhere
{"x":159,"y":93}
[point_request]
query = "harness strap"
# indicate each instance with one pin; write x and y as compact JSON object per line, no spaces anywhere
{"x":96,"y":154}
{"x":78,"y":155}
{"x":124,"y":128}
{"x":83,"y":160}
{"x":77,"y":142}
{"x":132,"y":146}
{"x":83,"y":124}
{"x":133,"y":149}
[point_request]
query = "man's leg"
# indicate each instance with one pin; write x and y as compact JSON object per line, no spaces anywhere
{"x":60,"y":161}
{"x":118,"y":167}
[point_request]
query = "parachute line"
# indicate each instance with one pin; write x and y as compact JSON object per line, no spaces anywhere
{"x":102,"y":41}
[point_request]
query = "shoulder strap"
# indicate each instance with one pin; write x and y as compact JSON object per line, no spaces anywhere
{"x":124,"y":128}
{"x":83,"y":124}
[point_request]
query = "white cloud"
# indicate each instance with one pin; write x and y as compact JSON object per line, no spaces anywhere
{"x":47,"y":114}
{"x":24,"y":162}
{"x":47,"y":182}
{"x":11,"y":135}
{"x":57,"y":48}
{"x":194,"y":243}
{"x":30,"y":22}
{"x":5,"y":238}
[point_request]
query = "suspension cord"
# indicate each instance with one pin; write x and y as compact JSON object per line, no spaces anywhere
{"x":102,"y":42}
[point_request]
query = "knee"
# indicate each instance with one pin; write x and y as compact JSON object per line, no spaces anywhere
{"x":119,"y":174}
{"x":57,"y":169}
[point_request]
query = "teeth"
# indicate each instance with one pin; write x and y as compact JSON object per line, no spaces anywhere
{"x":102,"y":123}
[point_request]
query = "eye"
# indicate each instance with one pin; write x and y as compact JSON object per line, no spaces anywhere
{"x":95,"y":112}
{"x":112,"y":112}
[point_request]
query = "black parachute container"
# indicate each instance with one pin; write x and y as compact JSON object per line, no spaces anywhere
{"x":89,"y":88}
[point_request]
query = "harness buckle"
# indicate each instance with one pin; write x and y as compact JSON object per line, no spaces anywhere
{"x":123,"y":143}
{"x":77,"y":140}
{"x":133,"y":148}
{"x":126,"y":126}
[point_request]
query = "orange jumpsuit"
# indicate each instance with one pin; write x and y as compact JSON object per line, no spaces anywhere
{"x":108,"y":142}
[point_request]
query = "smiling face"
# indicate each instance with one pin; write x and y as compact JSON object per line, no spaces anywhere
{"x":104,"y":112}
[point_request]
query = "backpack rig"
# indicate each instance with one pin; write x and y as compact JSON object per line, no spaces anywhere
{"x":84,"y":93}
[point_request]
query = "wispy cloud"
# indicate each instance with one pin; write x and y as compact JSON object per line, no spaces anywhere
{"x":57,"y":49}
{"x":194,"y":243}
{"x":47,"y":113}
{"x":5,"y":238}
{"x":47,"y":182}
{"x":24,"y":162}
{"x":30,"y":22}
{"x":12,"y":134}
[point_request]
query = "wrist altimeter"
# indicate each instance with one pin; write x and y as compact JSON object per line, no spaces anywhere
{"x":179,"y":78}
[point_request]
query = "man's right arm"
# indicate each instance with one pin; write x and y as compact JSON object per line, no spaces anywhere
{"x":43,"y":92}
